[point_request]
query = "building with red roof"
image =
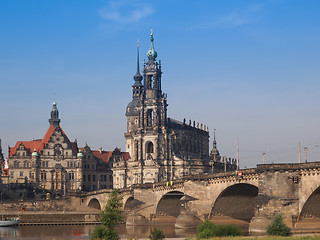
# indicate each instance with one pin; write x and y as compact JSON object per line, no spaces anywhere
{"x":56,"y":164}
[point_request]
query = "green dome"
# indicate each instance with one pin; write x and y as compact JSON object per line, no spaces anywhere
{"x":79,"y":154}
{"x":34,"y":154}
{"x":152,"y":53}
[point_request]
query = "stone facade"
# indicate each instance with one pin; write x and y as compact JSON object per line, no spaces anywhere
{"x":56,"y":164}
{"x":160,"y":148}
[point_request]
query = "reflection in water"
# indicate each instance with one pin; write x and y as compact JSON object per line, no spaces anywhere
{"x":76,"y":232}
{"x":6,"y":232}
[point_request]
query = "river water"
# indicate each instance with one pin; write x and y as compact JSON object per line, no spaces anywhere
{"x":83,"y":232}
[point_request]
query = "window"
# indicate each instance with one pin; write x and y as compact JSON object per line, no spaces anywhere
{"x":149,"y":118}
{"x":47,"y":164}
{"x":101,"y":178}
{"x":68,"y":164}
{"x":23,"y":154}
{"x":94,"y":178}
{"x":11,"y":174}
{"x":89,"y":178}
{"x":31,"y":175}
{"x":43,"y":176}
{"x":150,"y":147}
{"x":105,"y":178}
{"x":21,"y":174}
{"x":66,"y":153}
{"x":48,"y":153}
{"x":84,"y":177}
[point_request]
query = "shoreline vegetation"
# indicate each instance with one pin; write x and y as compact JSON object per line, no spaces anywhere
{"x":299,"y":237}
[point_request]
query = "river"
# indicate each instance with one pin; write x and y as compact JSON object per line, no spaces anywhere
{"x":76,"y":232}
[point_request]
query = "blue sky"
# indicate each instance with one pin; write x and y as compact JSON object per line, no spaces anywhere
{"x":249,"y":69}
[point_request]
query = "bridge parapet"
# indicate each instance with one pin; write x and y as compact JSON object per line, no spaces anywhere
{"x":288,"y":166}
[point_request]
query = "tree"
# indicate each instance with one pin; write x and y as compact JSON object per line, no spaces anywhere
{"x":277,"y":227}
{"x":156,"y":234}
{"x":110,"y":218}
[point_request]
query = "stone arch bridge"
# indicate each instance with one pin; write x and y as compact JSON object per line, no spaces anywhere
{"x":250,"y":195}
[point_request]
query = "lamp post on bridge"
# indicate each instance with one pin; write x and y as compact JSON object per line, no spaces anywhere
{"x":263,"y":157}
{"x":306,"y":151}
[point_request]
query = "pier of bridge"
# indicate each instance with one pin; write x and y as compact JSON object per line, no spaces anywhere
{"x":250,"y":196}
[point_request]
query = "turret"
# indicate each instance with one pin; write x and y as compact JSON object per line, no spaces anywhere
{"x":137,"y":87}
{"x":54,"y":120}
{"x":152,"y":73}
{"x":215,"y":155}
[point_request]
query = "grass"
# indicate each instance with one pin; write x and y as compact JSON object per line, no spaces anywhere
{"x":314,"y":237}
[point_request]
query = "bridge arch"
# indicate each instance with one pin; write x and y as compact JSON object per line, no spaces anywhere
{"x":94,"y":203}
{"x":169,"y":204}
{"x":311,"y":207}
{"x":236,"y":201}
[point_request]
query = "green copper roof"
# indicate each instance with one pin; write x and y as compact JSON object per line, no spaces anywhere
{"x":152,"y":53}
{"x":34,"y":154}
{"x":79,"y":154}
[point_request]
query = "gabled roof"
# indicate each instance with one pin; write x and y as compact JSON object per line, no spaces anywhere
{"x":105,"y":155}
{"x":39,"y":144}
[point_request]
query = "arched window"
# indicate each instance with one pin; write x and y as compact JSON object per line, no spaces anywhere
{"x":150,"y":147}
{"x":149,"y":118}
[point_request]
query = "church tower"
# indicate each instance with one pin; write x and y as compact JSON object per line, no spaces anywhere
{"x":146,"y":124}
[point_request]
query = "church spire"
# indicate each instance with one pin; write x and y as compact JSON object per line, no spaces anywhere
{"x":54,"y":120}
{"x":152,"y":54}
{"x":137,"y":86}
{"x":137,"y":78}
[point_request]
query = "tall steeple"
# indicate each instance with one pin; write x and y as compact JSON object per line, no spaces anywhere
{"x":215,"y":155}
{"x":152,"y":71}
{"x":137,"y":87}
{"x":54,"y":120}
{"x":152,"y":54}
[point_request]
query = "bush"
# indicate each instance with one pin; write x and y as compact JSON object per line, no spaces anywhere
{"x":278,"y":228}
{"x":208,"y":229}
{"x":156,"y":234}
{"x":228,"y":230}
{"x":102,"y":232}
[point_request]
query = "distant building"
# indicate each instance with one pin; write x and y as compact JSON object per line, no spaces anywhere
{"x":161,"y":148}
{"x":56,"y":164}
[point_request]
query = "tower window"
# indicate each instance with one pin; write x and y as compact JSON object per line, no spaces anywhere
{"x":149,"y":82}
{"x":150,"y":147}
{"x":149,"y":118}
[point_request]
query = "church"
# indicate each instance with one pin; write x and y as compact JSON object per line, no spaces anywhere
{"x":158,"y":148}
{"x":161,"y":148}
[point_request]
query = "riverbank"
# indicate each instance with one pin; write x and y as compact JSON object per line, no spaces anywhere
{"x":298,"y":237}
{"x":56,"y":218}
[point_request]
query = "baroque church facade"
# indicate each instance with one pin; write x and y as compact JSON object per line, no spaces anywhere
{"x":161,"y":148}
